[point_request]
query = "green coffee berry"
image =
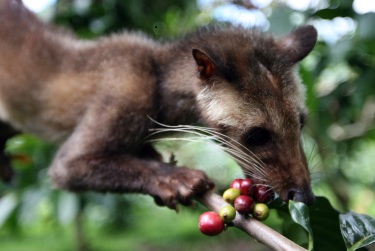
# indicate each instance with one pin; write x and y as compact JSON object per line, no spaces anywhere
{"x":231,"y":194}
{"x":228,"y":213}
{"x":261,"y":211}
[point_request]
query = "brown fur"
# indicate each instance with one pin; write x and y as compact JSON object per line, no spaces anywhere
{"x":96,"y":98}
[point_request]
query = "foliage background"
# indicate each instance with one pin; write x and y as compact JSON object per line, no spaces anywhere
{"x":339,"y":138}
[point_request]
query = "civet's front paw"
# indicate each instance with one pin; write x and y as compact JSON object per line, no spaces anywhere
{"x":179,"y":185}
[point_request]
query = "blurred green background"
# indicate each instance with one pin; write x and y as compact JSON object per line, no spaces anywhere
{"x":339,"y":138}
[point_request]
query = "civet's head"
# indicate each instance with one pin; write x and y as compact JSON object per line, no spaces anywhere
{"x":250,"y":89}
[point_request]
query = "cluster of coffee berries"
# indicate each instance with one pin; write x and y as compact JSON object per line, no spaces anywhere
{"x":244,"y":197}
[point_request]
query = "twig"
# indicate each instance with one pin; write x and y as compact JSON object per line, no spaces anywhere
{"x":252,"y":227}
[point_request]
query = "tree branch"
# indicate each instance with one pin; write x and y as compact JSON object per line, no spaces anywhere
{"x":252,"y":227}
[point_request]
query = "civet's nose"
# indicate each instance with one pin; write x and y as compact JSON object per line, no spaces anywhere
{"x":299,"y":195}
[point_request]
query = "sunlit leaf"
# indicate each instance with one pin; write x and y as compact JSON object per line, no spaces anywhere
{"x":358,"y":230}
{"x":7,"y":204}
{"x":300,"y":214}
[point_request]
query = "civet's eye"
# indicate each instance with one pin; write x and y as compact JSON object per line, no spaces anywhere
{"x":258,"y":137}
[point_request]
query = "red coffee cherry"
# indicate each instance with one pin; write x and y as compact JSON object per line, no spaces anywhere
{"x":210,"y":223}
{"x":263,"y":194}
{"x":244,"y":204}
{"x":247,"y":187}
{"x":236,"y":183}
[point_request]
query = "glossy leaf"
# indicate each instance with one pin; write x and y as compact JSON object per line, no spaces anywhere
{"x":322,"y":223}
{"x":358,"y":230}
{"x":300,"y":214}
{"x":324,"y":220}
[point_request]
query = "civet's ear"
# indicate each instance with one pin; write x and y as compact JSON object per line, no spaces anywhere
{"x":298,"y":44}
{"x":206,"y":66}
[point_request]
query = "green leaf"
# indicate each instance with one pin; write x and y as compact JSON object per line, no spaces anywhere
{"x":7,"y":205}
{"x":300,"y":214}
{"x":358,"y":230}
{"x":324,"y":220}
